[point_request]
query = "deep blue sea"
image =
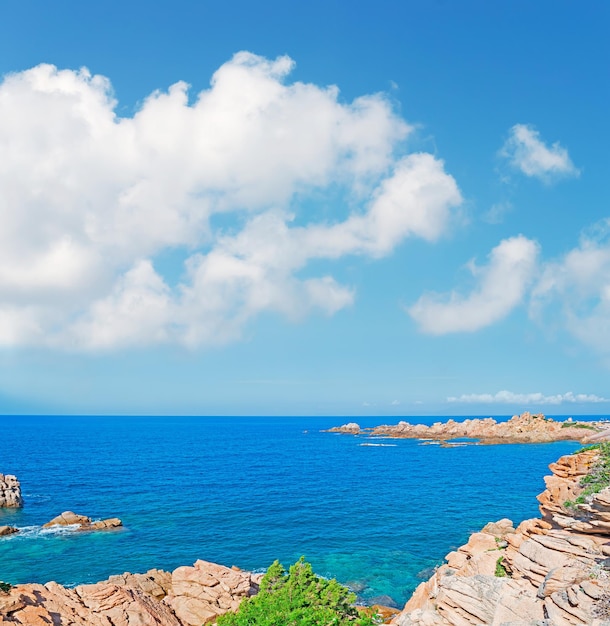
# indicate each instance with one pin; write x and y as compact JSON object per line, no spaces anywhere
{"x":246,"y":491}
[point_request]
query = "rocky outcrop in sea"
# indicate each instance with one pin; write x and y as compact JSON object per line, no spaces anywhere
{"x":524,"y":428}
{"x":10,"y":491}
{"x":82,"y":522}
{"x":552,"y":571}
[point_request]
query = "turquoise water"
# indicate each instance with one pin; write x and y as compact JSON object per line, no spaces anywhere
{"x":245,"y":491}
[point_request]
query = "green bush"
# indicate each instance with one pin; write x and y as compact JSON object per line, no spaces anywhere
{"x":598,"y":477}
{"x":577,"y":425}
{"x":5,"y":587}
{"x":500,"y":569}
{"x":297,"y":597}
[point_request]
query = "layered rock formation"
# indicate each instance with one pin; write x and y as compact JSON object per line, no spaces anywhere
{"x":10,"y":491}
{"x":68,"y":518}
{"x":102,"y":604}
{"x":189,"y":596}
{"x":524,"y":428}
{"x":201,"y":593}
{"x":552,"y":571}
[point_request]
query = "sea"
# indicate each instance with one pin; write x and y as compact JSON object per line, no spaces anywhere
{"x":245,"y":491}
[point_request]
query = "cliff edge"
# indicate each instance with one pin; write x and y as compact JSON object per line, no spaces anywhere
{"x":552,"y":571}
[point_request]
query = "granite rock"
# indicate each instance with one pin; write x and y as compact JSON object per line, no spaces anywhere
{"x":10,"y":492}
{"x":557,"y":567}
{"x":524,"y":428}
{"x":68,"y":518}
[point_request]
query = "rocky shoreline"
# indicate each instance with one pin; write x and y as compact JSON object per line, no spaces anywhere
{"x":188,"y":596}
{"x":551,"y":571}
{"x":524,"y":428}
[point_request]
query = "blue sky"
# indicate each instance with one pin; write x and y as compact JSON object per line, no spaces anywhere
{"x":322,"y":208}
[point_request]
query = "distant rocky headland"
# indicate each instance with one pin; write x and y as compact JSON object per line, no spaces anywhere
{"x":524,"y":428}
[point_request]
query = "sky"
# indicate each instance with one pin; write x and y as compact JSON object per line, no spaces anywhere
{"x":284,"y":208}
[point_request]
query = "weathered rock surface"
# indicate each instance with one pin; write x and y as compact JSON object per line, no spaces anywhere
{"x":201,"y":593}
{"x":189,"y":596}
{"x":525,"y":428}
{"x":351,"y":428}
{"x":557,"y":567}
{"x":68,"y":518}
{"x":10,"y":491}
{"x":102,"y":604}
{"x":156,"y":583}
{"x":8,"y":530}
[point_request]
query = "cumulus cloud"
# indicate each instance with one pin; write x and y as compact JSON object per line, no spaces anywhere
{"x":526,"y":152}
{"x":89,"y":200}
{"x":574,"y":290}
{"x":508,"y":397}
{"x":501,"y":286}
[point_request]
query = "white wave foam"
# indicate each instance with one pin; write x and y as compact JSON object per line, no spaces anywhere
{"x":35,"y":532}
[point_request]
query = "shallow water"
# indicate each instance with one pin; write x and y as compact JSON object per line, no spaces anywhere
{"x":245,"y":491}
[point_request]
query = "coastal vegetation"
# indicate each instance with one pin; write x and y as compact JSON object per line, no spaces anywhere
{"x":298,"y":597}
{"x":577,"y":425}
{"x":597,"y":478}
{"x":500,"y":569}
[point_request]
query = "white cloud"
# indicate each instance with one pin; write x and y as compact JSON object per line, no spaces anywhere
{"x":88,"y":200}
{"x":502,"y":285}
{"x":574,"y":291}
{"x":528,"y":153}
{"x":497,"y":212}
{"x":508,"y":397}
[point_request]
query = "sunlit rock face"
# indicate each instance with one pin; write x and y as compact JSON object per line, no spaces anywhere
{"x":524,"y":428}
{"x":10,"y":491}
{"x":188,"y":596}
{"x":549,"y":571}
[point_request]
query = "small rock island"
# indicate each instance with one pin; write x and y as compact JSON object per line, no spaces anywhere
{"x":10,"y":492}
{"x":524,"y":428}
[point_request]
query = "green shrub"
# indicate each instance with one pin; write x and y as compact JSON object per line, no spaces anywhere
{"x":577,"y":425}
{"x":593,"y":446}
{"x":5,"y":587}
{"x":297,"y":598}
{"x":500,"y":569}
{"x":598,"y":477}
